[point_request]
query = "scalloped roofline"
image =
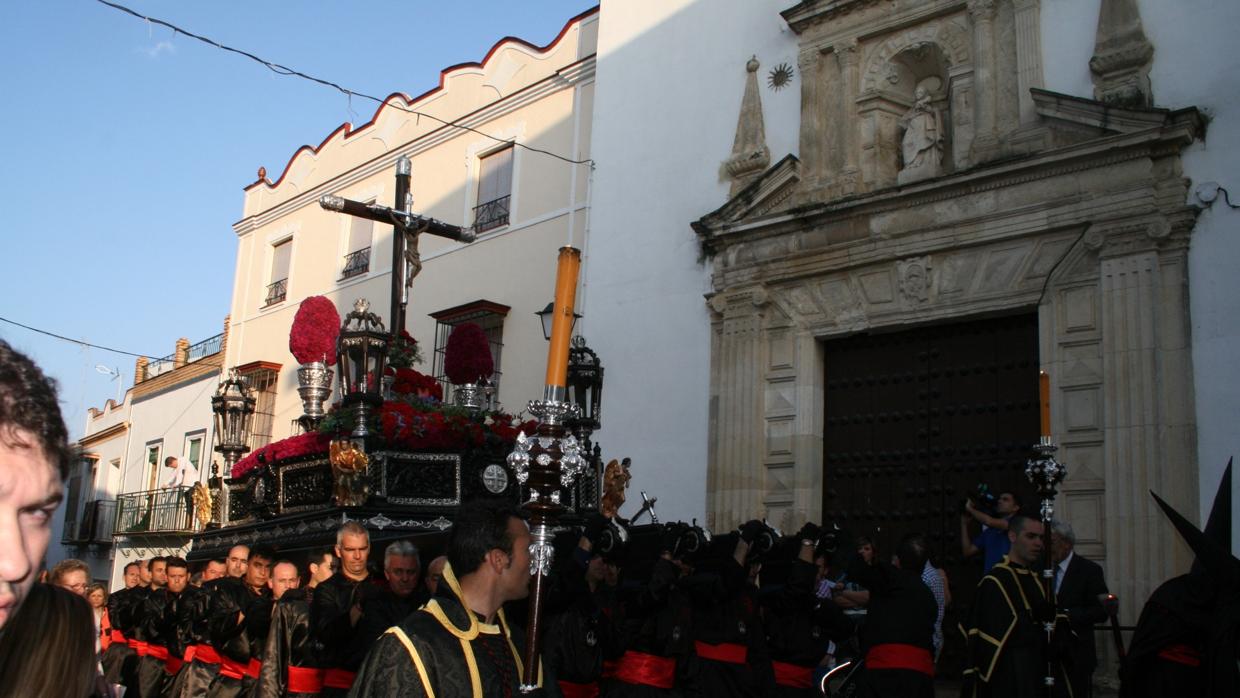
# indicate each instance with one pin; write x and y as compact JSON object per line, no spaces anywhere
{"x":349,"y":132}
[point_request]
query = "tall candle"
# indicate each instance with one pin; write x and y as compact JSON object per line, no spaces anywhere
{"x":562,"y":317}
{"x":1044,"y":400}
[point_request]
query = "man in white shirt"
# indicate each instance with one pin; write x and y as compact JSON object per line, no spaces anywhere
{"x":183,"y":474}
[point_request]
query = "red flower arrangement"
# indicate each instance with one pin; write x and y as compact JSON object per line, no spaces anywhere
{"x":315,"y":328}
{"x":404,"y":352}
{"x":467,"y":357}
{"x":292,"y":447}
{"x":411,"y":382}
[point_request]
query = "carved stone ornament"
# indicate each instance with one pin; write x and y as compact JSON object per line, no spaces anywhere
{"x":349,"y":471}
{"x":914,"y":275}
{"x":750,"y":156}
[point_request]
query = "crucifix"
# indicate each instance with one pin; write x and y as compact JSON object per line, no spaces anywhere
{"x":406,"y":227}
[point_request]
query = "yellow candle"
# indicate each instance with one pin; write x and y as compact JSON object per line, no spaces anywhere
{"x":562,"y":319}
{"x":1044,"y":400}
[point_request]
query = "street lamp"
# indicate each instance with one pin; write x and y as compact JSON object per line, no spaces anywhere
{"x":585,"y":388}
{"x":233,"y":406}
{"x":545,"y":316}
{"x":361,"y":352}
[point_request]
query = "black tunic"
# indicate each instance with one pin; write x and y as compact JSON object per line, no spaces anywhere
{"x":445,"y":649}
{"x":578,"y":633}
{"x":725,"y":613}
{"x":180,"y":635}
{"x":654,"y":618}
{"x":1006,"y":646}
{"x":150,"y":628}
{"x":289,"y":643}
{"x":333,"y":629}
{"x":902,"y":612}
{"x":238,"y":627}
{"x":120,"y":660}
{"x":799,"y":626}
{"x":196,"y":676}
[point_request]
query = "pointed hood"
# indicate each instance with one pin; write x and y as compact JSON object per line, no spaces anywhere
{"x":1213,"y":559}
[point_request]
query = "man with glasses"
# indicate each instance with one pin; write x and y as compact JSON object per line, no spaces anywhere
{"x":71,"y":574}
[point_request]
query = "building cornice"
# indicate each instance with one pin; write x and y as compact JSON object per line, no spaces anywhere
{"x":103,"y":435}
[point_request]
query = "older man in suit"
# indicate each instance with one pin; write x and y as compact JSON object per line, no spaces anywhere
{"x":1079,"y":590}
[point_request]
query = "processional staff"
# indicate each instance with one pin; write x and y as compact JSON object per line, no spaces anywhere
{"x":549,"y":460}
{"x":1046,"y":474}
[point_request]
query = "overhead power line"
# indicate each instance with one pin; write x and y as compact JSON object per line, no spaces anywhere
{"x":285,"y":70}
{"x":74,"y":341}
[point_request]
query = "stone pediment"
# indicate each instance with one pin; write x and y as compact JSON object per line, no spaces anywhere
{"x":767,"y":193}
{"x":1076,"y":119}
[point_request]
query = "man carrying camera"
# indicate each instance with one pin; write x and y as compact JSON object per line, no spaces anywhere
{"x":992,"y":542}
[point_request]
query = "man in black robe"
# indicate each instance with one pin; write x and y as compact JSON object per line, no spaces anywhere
{"x":404,"y":595}
{"x":897,"y":639}
{"x":241,"y":616}
{"x":1187,"y":640}
{"x":148,"y":621}
{"x":175,"y":624}
{"x":1007,"y":654}
{"x":337,"y":608}
{"x":119,"y":652}
{"x":289,"y":669}
{"x":579,"y":636}
{"x":460,"y":643}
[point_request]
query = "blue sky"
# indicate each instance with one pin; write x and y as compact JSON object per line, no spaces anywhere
{"x":126,"y":148}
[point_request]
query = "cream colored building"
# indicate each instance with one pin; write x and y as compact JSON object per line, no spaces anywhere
{"x":523,"y":205}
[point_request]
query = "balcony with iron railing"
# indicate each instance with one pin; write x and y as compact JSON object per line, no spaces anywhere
{"x":356,"y":263}
{"x":94,"y":526}
{"x":276,"y":291}
{"x":203,"y":349}
{"x":492,"y":214}
{"x":168,"y":511}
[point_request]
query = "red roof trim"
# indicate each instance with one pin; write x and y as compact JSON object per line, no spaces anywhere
{"x":349,"y":133}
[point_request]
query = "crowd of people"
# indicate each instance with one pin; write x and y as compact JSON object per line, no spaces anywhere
{"x":651,"y":610}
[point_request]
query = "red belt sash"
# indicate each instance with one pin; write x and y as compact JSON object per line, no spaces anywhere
{"x":138,"y":646}
{"x":643,"y":669}
{"x":118,"y":636}
{"x":157,"y":652}
{"x":173,"y":664}
{"x":893,"y":655}
{"x":338,"y":678}
{"x":304,"y":679}
{"x":572,"y":689}
{"x":792,"y":675}
{"x":203,"y":653}
{"x":1181,"y":654}
{"x":235,"y":670}
{"x":729,"y":652}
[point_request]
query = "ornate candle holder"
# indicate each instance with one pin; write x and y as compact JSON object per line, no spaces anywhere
{"x":547,"y":462}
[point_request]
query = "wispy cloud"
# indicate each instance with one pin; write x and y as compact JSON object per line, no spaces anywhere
{"x":158,"y":49}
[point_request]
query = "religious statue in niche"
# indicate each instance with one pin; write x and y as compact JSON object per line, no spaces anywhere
{"x":914,"y":276}
{"x":922,"y":142}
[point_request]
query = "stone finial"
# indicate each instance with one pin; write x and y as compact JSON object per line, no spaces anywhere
{"x":180,"y":356}
{"x":750,"y":156}
{"x":1122,"y":56}
{"x":262,"y":173}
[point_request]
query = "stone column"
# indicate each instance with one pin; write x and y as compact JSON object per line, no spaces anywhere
{"x":1028,"y":56}
{"x":1149,"y":428}
{"x":735,"y":471}
{"x":848,"y":55}
{"x":813,"y":118}
{"x":985,"y":90}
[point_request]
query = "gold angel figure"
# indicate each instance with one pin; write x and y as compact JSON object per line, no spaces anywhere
{"x":615,"y":481}
{"x":349,"y":471}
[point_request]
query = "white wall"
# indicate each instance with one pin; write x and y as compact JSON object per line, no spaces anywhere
{"x":670,"y":79}
{"x":1195,"y":64}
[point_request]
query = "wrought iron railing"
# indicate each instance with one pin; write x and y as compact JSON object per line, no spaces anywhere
{"x":492,"y":214}
{"x":276,"y":291}
{"x":167,"y":510}
{"x":356,"y":263}
{"x":197,"y":351}
{"x":95,"y":525}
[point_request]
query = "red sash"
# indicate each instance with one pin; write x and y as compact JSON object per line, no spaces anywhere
{"x":578,"y":690}
{"x":338,"y":678}
{"x":792,"y":675}
{"x":203,"y":653}
{"x":1181,"y":654}
{"x":643,"y":669}
{"x":304,"y":679}
{"x":118,"y":636}
{"x":157,"y":652}
{"x":893,"y":655}
{"x":106,"y":634}
{"x":138,"y":646}
{"x":235,"y":670}
{"x":729,"y":652}
{"x":173,"y":664}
